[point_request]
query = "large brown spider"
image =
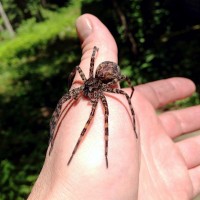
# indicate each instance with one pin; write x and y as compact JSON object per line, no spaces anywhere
{"x":107,"y":75}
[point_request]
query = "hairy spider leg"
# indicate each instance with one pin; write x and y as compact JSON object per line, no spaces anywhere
{"x":95,"y":49}
{"x":119,"y":79}
{"x":57,"y":128}
{"x":125,"y":78}
{"x":94,"y":105}
{"x":105,"y":104}
{"x":72,"y":75}
{"x":118,"y":91}
{"x":81,"y":73}
{"x":71,"y":78}
{"x":58,"y":113}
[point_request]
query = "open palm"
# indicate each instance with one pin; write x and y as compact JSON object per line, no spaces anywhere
{"x":168,"y":170}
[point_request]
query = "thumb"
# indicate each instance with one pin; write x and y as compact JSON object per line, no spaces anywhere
{"x":92,"y":33}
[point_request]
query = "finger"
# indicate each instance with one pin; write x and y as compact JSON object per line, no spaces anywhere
{"x":93,"y":33}
{"x":162,"y":92}
{"x":190,"y":150}
{"x":195,"y":178}
{"x":182,"y":121}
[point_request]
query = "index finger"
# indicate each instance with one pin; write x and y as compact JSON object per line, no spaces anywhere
{"x":163,"y":92}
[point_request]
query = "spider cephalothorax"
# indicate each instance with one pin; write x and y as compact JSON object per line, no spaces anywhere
{"x":91,"y":88}
{"x":107,"y":75}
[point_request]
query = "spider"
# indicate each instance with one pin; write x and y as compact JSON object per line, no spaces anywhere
{"x":107,"y":75}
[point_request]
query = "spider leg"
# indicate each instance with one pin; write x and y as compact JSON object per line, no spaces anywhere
{"x":125,"y":78}
{"x":72,"y":75}
{"x":57,"y":113}
{"x":71,"y":78}
{"x":105,"y":104}
{"x":95,"y":49}
{"x":94,"y":105}
{"x":81,"y":73}
{"x":119,"y":79}
{"x":118,"y":91}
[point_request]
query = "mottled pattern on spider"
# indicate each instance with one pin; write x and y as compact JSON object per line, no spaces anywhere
{"x":107,"y":75}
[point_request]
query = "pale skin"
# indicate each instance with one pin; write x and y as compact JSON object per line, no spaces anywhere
{"x":152,"y":167}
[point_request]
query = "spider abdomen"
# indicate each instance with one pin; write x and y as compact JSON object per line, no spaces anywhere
{"x":107,"y":71}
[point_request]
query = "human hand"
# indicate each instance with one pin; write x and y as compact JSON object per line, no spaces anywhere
{"x":151,"y":167}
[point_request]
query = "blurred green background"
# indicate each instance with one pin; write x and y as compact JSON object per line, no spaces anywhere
{"x":157,"y":39}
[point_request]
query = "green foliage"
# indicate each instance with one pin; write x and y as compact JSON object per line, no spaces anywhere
{"x":193,"y":100}
{"x":12,"y":183}
{"x":17,"y":11}
{"x":32,"y":41}
{"x":30,"y":34}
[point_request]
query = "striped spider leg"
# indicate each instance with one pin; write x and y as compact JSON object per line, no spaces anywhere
{"x":94,"y":105}
{"x":118,"y":91}
{"x":72,"y":94}
{"x":106,"y":112}
{"x":105,"y":105}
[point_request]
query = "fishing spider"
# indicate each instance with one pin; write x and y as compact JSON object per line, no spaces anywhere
{"x":107,"y":75}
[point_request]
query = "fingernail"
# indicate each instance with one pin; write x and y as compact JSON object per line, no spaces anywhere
{"x":84,"y":27}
